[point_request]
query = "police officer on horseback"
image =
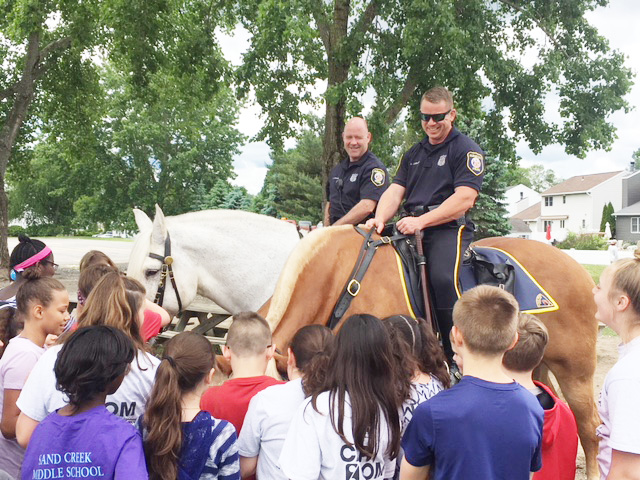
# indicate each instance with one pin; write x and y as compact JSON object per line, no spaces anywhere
{"x":356,"y":184}
{"x":438,"y":179}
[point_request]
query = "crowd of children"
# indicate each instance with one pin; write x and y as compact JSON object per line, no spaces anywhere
{"x":84,"y":397}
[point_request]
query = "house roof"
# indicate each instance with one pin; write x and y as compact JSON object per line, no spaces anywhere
{"x":630,"y":210}
{"x":519,"y":226}
{"x":580,"y":183}
{"x":531,"y":213}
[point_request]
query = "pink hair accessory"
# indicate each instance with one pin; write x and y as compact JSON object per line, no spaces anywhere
{"x":44,"y":253}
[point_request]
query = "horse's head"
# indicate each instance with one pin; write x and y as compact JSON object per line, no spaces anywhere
{"x":149,"y":263}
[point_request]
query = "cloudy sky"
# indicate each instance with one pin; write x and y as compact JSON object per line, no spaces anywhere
{"x":617,"y":22}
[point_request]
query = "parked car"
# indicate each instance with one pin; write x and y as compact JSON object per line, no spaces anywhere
{"x":105,"y":235}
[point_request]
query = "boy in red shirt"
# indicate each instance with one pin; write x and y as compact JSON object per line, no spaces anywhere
{"x":249,"y":350}
{"x":560,"y":433}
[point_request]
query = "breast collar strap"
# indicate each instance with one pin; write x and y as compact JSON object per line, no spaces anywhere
{"x":167,"y":270}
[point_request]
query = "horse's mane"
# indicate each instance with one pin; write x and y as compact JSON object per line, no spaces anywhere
{"x":297,"y":261}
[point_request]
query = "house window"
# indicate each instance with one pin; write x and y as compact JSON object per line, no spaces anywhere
{"x":547,"y":224}
{"x":548,"y":201}
{"x":635,"y":224}
{"x":584,"y":223}
{"x":561,"y":223}
{"x":564,"y":199}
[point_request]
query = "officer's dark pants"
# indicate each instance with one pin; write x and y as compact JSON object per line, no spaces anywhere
{"x":444,"y":246}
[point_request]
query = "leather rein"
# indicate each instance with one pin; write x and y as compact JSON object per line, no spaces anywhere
{"x":167,"y":270}
{"x":352,"y":287}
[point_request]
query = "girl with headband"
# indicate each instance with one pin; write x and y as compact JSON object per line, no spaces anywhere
{"x":30,"y":259}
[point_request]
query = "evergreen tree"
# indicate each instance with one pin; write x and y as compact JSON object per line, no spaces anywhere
{"x":237,"y":199}
{"x":293,"y":185}
{"x":607,"y":216}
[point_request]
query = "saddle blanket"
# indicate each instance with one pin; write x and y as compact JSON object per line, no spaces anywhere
{"x":531,"y":296}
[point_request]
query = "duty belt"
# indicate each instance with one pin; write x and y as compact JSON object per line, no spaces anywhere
{"x":422,"y":209}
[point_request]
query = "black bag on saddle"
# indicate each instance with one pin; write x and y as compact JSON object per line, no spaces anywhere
{"x":500,"y":275}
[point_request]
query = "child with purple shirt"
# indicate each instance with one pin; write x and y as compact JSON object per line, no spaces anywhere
{"x":82,"y":439}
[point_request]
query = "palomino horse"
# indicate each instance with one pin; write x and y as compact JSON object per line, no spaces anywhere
{"x":319,"y":267}
{"x":229,"y":256}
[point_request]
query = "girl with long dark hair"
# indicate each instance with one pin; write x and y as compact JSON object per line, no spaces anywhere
{"x":420,"y":365}
{"x":350,"y":426}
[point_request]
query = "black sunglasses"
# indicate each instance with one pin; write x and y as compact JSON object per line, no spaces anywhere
{"x":437,"y":117}
{"x":49,"y":262}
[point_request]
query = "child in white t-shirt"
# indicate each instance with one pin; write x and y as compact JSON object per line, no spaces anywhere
{"x":617,"y":298}
{"x":43,"y":305}
{"x":115,"y":301}
{"x":350,"y":425}
{"x":270,"y":411}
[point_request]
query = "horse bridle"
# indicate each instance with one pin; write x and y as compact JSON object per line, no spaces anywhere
{"x":167,"y":270}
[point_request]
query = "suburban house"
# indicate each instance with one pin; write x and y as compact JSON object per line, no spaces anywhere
{"x":526,"y":222}
{"x":519,"y":198}
{"x":574,"y":205}
{"x":628,"y":217}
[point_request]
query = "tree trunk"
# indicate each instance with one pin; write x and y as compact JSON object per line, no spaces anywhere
{"x":22,"y":99}
{"x":338,"y":63}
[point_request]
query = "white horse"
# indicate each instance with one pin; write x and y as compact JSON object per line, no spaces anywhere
{"x":232,"y":257}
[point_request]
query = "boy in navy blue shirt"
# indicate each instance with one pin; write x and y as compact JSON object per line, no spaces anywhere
{"x":487,"y":426}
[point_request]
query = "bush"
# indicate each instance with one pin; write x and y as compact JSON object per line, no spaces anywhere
{"x":45,"y":230}
{"x":15,"y":230}
{"x":583,"y":242}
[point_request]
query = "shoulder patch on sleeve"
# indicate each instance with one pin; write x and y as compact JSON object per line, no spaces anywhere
{"x":475,"y":163}
{"x":378,"y":176}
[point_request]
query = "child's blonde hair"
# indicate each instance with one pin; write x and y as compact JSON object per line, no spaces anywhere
{"x":487,"y":319}
{"x":249,"y":334}
{"x":532,"y":342}
{"x":626,"y":279}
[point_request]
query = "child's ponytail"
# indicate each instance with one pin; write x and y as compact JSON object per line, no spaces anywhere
{"x":188,"y":358}
{"x":162,"y":419}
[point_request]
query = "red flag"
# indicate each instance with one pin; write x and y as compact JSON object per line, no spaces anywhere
{"x":548,"y":232}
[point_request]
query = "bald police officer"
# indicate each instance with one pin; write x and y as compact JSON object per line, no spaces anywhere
{"x":439,"y":180}
{"x":356,"y":184}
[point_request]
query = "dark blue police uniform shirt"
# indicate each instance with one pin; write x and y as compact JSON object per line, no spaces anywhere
{"x":349,"y":182}
{"x":430,"y":173}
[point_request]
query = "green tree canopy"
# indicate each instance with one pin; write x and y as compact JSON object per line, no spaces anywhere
{"x":535,"y":177}
{"x":399,"y":49}
{"x":112,"y":105}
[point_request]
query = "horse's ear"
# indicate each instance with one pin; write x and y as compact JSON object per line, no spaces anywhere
{"x":142,"y":220}
{"x":159,"y":232}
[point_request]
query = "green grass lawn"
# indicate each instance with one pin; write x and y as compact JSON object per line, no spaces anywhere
{"x":595,"y":271}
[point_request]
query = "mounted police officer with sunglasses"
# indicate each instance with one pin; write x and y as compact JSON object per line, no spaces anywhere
{"x":356,"y":184}
{"x":438,"y":179}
